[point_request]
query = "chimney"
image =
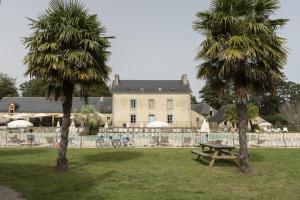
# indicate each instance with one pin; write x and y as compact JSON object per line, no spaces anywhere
{"x":184,"y":79}
{"x":116,"y":79}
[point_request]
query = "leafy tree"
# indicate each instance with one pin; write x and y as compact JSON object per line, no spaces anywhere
{"x":242,"y":49}
{"x":7,"y":86}
{"x":36,"y":87}
{"x":231,"y":114}
{"x":215,"y":98}
{"x":90,"y":119}
{"x":67,"y":48}
{"x":193,"y":99}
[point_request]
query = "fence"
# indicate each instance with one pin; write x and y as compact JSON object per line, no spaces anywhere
{"x":150,"y":138}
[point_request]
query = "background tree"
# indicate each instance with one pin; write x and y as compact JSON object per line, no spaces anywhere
{"x":215,"y":98}
{"x":291,"y":112}
{"x":67,"y":48}
{"x":7,"y":86}
{"x":193,"y":99}
{"x":36,"y":87}
{"x":89,"y":118}
{"x":242,"y":49}
{"x":231,"y":114}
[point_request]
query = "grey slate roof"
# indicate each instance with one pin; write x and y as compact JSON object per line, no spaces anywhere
{"x":157,"y":86}
{"x":220,"y":115}
{"x":42,"y":105}
{"x":202,"y":108}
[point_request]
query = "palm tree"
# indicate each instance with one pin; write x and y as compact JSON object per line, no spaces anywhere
{"x":89,"y":118}
{"x":67,"y":48}
{"x":241,"y":48}
{"x":231,"y":114}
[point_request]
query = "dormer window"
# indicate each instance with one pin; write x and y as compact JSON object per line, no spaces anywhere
{"x":11,"y":108}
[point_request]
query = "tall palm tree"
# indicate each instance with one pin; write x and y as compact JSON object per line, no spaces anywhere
{"x":241,"y":48}
{"x":67,"y":48}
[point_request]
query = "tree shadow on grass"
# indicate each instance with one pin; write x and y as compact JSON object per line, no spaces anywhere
{"x":22,"y":151}
{"x":112,"y":156}
{"x":36,"y":181}
{"x":256,"y":157}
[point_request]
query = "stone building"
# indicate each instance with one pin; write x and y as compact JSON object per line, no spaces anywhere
{"x":134,"y":103}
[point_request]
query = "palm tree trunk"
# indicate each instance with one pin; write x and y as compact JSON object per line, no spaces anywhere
{"x":62,"y":161}
{"x":243,"y":126}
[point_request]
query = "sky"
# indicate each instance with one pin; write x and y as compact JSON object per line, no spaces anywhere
{"x":154,"y":38}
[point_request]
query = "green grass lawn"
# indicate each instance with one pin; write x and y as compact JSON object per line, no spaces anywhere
{"x":148,"y":174}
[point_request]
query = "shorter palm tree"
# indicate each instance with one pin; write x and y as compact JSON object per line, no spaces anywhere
{"x":231,"y":114}
{"x":90,"y":119}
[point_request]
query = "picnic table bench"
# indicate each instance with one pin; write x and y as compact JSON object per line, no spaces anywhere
{"x":216,"y":152}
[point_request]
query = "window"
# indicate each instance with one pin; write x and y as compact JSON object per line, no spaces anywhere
{"x":151,"y":104}
{"x":133,"y":104}
{"x":170,"y":104}
{"x":197,"y":119}
{"x":11,"y":108}
{"x":225,"y":123}
{"x":132,"y":119}
{"x":170,"y":119}
{"x":211,"y":113}
{"x":151,"y":118}
{"x":108,"y":118}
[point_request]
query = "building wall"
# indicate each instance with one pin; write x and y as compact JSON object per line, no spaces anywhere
{"x":197,"y":120}
{"x":181,"y":109}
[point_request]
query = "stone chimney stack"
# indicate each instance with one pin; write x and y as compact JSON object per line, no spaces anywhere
{"x":116,"y":79}
{"x":184,"y":79}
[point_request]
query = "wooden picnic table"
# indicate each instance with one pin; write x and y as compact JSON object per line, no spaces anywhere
{"x":215,"y":152}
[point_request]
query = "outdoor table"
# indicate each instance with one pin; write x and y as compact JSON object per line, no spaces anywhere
{"x":216,"y":151}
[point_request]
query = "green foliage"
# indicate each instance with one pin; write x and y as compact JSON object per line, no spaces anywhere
{"x":67,"y":48}
{"x":215,"y":98}
{"x":94,"y":91}
{"x":231,"y":113}
{"x":36,"y":87}
{"x":7,"y":86}
{"x":193,"y":99}
{"x":241,"y":47}
{"x":89,"y":118}
{"x":132,"y":174}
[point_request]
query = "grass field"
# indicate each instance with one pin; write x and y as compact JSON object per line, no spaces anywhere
{"x":148,"y":174}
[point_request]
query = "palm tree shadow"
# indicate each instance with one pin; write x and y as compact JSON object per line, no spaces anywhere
{"x":112,"y":156}
{"x":256,"y":157}
{"x":43,"y":182}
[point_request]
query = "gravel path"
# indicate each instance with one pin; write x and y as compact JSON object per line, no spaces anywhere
{"x":9,"y":194}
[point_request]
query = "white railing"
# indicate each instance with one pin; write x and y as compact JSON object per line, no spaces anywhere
{"x":151,"y":138}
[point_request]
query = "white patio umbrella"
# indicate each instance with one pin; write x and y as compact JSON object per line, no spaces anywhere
{"x":205,"y":127}
{"x":265,"y":124}
{"x":40,"y":115}
{"x":72,"y":128}
{"x":157,"y":124}
{"x":106,"y":125}
{"x":19,"y":124}
{"x":58,"y":124}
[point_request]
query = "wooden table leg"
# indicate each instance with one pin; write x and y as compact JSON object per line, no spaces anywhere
{"x":213,"y":159}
